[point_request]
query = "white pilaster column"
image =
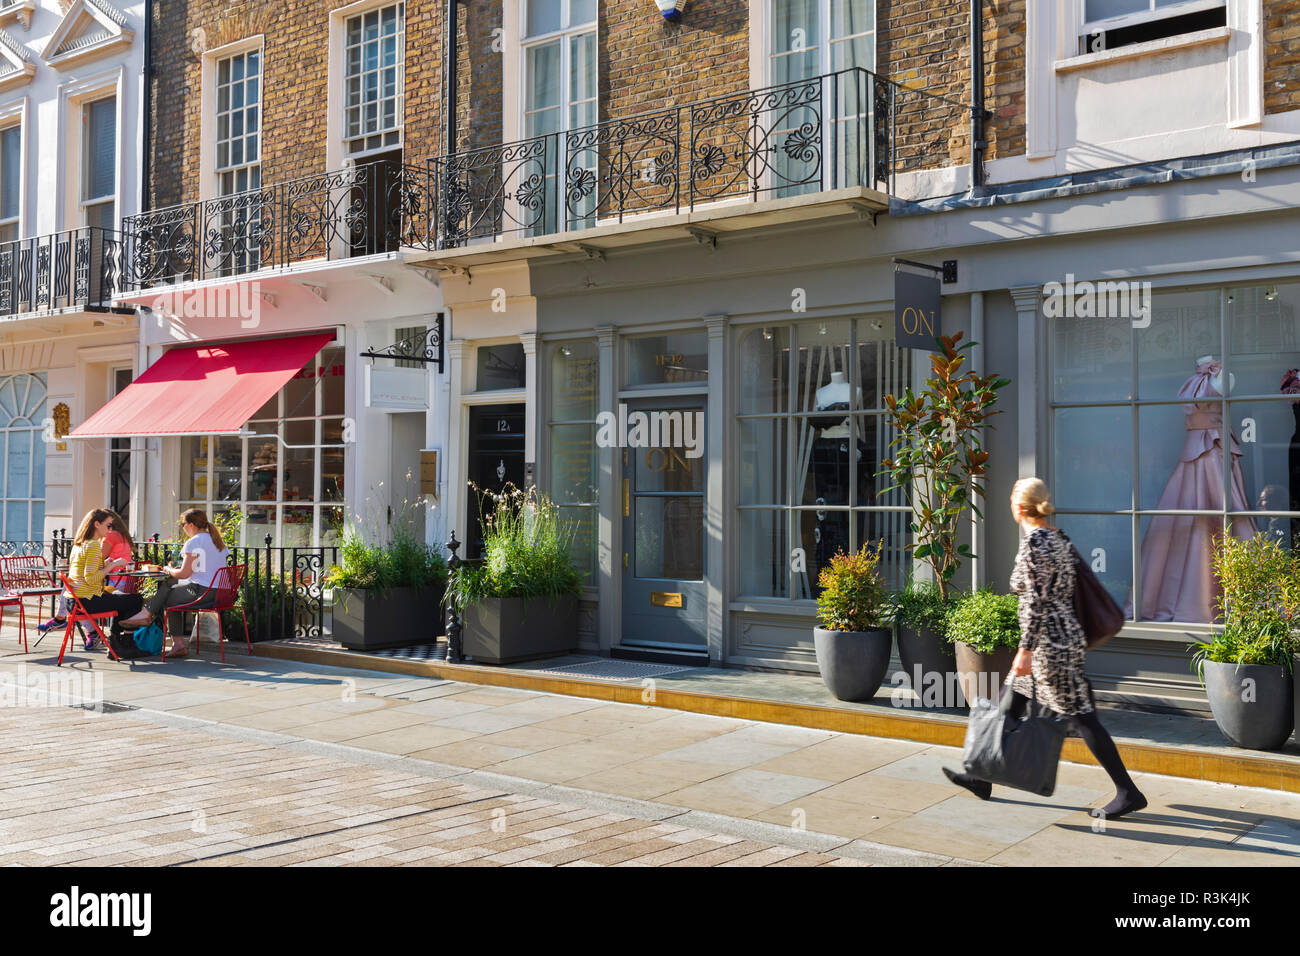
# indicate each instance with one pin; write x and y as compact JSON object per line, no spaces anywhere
{"x":454,"y":470}
{"x":978,"y":537}
{"x":609,"y":566}
{"x":532,"y":410}
{"x":1029,"y":311}
{"x":715,"y":508}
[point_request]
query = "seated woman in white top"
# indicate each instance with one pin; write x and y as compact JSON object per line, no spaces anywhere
{"x":203,"y":552}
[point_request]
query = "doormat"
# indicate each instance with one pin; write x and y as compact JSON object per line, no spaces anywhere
{"x":606,"y":669}
{"x":416,"y":652}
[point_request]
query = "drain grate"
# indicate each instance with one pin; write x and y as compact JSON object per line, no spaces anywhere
{"x":105,"y":707}
{"x":615,"y":670}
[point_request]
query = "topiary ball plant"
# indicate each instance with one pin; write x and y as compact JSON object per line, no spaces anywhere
{"x":985,"y":621}
{"x":853,"y":596}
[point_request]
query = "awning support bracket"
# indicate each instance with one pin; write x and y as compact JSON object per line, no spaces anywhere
{"x":426,"y":349}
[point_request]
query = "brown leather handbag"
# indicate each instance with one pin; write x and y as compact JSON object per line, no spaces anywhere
{"x":1098,"y":614}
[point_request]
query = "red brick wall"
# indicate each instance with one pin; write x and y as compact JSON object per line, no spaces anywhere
{"x":1281,"y":55}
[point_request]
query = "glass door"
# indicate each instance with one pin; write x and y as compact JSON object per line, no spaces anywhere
{"x":119,"y":458}
{"x":662,"y":505}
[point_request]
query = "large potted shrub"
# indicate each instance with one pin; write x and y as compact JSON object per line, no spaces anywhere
{"x":1247,"y":664}
{"x":387,"y":595}
{"x":521,"y":600}
{"x":984,"y":630}
{"x":852,"y":642}
{"x":921,"y":616}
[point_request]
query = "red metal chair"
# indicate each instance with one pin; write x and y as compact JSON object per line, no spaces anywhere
{"x":77,"y":614}
{"x":220,"y":596}
{"x":8,"y":599}
{"x":23,"y":577}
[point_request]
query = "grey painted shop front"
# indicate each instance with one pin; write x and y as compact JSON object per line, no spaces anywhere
{"x":780,"y":343}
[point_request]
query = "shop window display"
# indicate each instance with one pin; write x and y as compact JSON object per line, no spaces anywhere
{"x":811,"y":437}
{"x":1190,"y":435}
{"x":292,"y":493}
{"x":575,"y":396}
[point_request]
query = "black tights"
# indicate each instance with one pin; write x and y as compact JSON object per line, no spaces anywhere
{"x":1098,"y":741}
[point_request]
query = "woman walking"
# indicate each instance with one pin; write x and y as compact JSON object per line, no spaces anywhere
{"x":204,"y":552}
{"x":1050,"y":659}
{"x":86,"y":571}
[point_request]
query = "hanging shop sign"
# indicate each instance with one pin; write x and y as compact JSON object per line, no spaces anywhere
{"x":397,"y":389}
{"x":917,"y":317}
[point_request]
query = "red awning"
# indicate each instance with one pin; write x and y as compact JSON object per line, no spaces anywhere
{"x":203,"y":389}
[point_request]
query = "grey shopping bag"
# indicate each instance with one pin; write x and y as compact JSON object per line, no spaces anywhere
{"x":1019,"y":752}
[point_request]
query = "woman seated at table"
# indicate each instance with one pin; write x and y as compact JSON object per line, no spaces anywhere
{"x":115,"y":544}
{"x":204,"y":552}
{"x":86,"y":571}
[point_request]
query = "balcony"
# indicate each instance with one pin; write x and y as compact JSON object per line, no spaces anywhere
{"x":825,"y":146}
{"x":366,"y":210}
{"x":78,"y":270}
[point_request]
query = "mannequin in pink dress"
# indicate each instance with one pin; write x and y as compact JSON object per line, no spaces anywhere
{"x":1177,"y":578}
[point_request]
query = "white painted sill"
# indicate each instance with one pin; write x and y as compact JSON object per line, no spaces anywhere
{"x":1149,"y":48}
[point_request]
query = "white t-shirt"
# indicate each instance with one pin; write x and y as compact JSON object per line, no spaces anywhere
{"x":206,"y":561}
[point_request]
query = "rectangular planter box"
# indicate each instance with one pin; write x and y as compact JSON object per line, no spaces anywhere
{"x":504,"y":630}
{"x":399,"y":617}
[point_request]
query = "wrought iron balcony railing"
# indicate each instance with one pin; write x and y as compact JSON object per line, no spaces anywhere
{"x":795,"y":138}
{"x":363,"y":210}
{"x":75,"y":269}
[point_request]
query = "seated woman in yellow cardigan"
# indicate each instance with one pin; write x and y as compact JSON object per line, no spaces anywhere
{"x":86,"y":572}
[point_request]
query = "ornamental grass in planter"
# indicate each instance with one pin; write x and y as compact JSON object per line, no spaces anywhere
{"x":984,"y":629}
{"x":521,"y":601}
{"x":1247,"y":664}
{"x":852,"y":643}
{"x":387,"y":595}
{"x":921,"y":615}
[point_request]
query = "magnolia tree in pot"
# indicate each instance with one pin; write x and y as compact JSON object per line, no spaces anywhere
{"x":521,"y":601}
{"x":938,"y":462}
{"x":853,"y":642}
{"x":1247,"y":664}
{"x":984,"y":629}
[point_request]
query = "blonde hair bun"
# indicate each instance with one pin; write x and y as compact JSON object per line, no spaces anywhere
{"x":1032,"y":495}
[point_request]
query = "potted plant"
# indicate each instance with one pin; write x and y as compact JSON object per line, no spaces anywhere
{"x":387,"y":595}
{"x":985,"y":631}
{"x":921,"y":616}
{"x":938,"y":460}
{"x":1247,"y":664}
{"x":521,"y":601}
{"x":852,"y":644}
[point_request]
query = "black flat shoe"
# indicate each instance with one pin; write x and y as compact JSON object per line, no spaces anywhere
{"x":981,"y":788}
{"x":1121,"y":805}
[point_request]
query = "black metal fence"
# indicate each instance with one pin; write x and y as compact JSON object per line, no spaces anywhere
{"x":284,"y":591}
{"x":810,"y":135}
{"x":362,"y":210}
{"x":78,"y":268}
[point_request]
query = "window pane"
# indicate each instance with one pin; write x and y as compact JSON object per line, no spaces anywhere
{"x":764,"y":556}
{"x":543,"y":16}
{"x":765,"y":370}
{"x":582,"y":67}
{"x":195,"y":452}
{"x":1087,"y":478}
{"x":1269,"y":479}
{"x":101,"y":147}
{"x":822,"y":370}
{"x":10,"y":170}
{"x":1264,"y":337}
{"x":850,"y":17}
{"x":543,"y":76}
{"x":333,"y":392}
{"x":1185,"y":327}
{"x":667,"y":359}
{"x":297,"y":531}
{"x":501,"y":366}
{"x":1106,"y":543}
{"x":575,"y":381}
{"x":669,"y":537}
{"x":1092,"y":359}
{"x":763,"y":461}
{"x":1103,"y":9}
{"x":573,"y":464}
{"x":582,"y":550}
{"x":1179,"y":463}
{"x":581,"y":11}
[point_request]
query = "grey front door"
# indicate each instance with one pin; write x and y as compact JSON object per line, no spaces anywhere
{"x":662,"y":503}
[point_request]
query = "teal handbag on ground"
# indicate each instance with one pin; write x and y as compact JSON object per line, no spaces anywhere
{"x":149,"y":639}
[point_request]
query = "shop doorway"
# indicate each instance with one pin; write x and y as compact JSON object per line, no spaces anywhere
{"x":662,"y":503}
{"x":119,"y":454}
{"x":496,"y":459}
{"x":406,"y":507}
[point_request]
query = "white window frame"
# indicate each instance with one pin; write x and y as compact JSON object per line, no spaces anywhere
{"x":73,"y":96}
{"x":336,"y":155}
{"x":84,"y":201}
{"x":15,"y":115}
{"x":209,"y":172}
{"x":34,"y":428}
{"x":1150,"y":15}
{"x":566,"y":35}
{"x":762,"y":56}
{"x":400,"y":95}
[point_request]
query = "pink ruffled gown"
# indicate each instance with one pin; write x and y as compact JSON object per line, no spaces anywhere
{"x":1177,"y":578}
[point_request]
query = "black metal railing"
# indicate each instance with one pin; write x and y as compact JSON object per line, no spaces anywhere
{"x":283,"y":591}
{"x":363,"y":210}
{"x":75,"y":269}
{"x":806,"y":136}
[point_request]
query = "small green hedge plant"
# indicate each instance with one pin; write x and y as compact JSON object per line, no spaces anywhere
{"x":921,"y":604}
{"x":985,"y":621}
{"x":527,"y":548}
{"x":1259,"y":604}
{"x":405,"y":562}
{"x":853,"y":597}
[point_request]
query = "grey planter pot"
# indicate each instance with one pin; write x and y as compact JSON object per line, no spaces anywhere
{"x":982,"y":675}
{"x":505,"y":630}
{"x":399,"y":617}
{"x":1264,"y":720}
{"x":1295,"y":693}
{"x":853,"y":663}
{"x":926,"y":652}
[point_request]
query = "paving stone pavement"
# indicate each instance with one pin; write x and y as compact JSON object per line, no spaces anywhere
{"x":274,"y":763}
